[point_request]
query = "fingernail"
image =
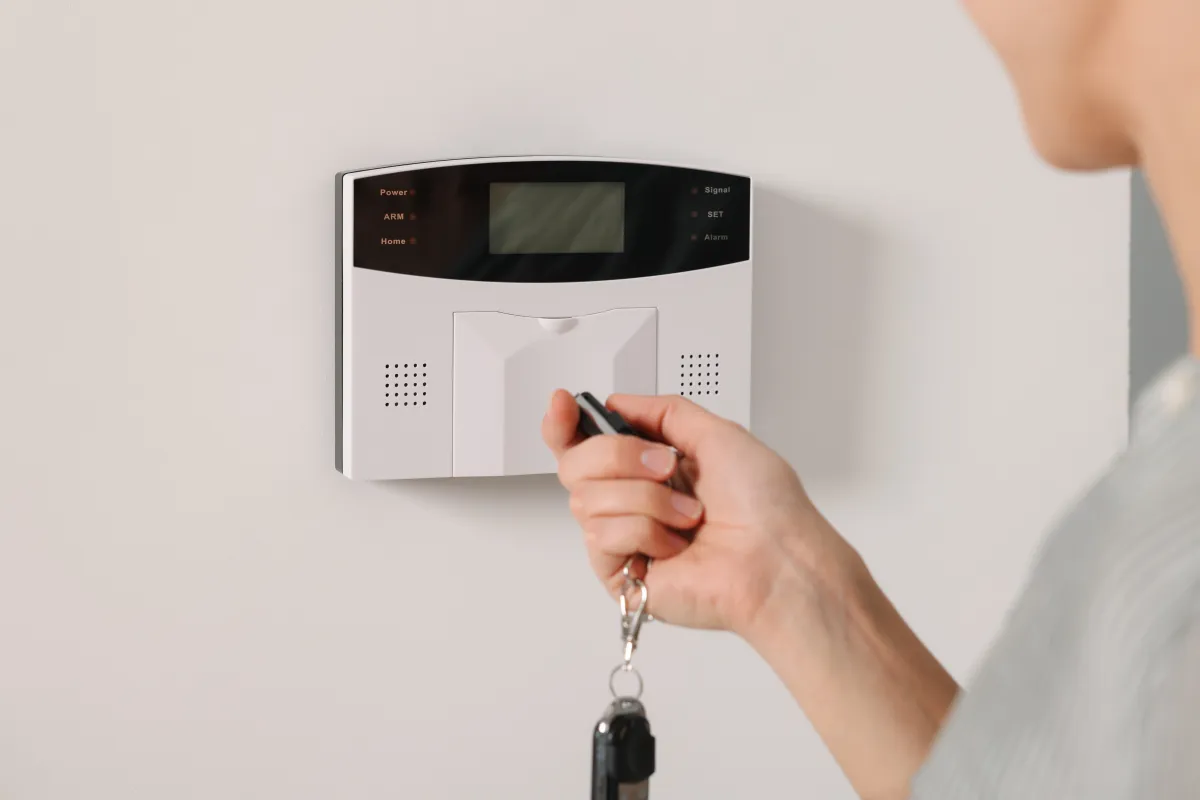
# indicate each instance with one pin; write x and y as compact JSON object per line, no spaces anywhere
{"x":690,"y":507}
{"x":659,"y":460}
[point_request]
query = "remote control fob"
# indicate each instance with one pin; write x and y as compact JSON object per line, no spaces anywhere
{"x":622,"y":752}
{"x":596,"y":419}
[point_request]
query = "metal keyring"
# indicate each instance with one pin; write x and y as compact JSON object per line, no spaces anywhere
{"x":631,"y":670}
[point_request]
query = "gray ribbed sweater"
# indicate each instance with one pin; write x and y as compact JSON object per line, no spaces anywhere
{"x":1092,"y":690}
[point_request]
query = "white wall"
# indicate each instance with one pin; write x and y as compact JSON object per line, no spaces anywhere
{"x":193,"y":604}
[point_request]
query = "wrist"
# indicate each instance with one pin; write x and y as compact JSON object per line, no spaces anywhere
{"x":827,"y":617}
{"x":870,"y":688}
{"x":817,"y":589}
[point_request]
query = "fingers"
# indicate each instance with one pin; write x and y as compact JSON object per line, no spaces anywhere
{"x":622,"y":537}
{"x":561,"y":423}
{"x":672,"y":419}
{"x":610,"y":457}
{"x":611,"y":541}
{"x":623,"y":498}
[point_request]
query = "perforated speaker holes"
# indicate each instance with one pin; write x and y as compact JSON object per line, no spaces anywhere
{"x":406,"y":385}
{"x":699,"y":374}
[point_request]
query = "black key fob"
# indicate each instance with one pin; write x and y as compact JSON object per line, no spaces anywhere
{"x":595,"y":419}
{"x":622,"y":752}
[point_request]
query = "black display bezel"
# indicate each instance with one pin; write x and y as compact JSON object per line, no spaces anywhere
{"x":676,"y":220}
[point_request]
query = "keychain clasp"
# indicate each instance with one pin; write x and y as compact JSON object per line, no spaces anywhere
{"x":631,"y":621}
{"x":631,"y":626}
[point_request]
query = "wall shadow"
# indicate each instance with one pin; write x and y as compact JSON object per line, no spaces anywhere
{"x":813,"y":305}
{"x":488,"y":501}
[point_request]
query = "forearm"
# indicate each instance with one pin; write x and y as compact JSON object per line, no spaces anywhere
{"x":871,"y":689}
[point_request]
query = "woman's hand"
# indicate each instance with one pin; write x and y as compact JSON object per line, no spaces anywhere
{"x":763,"y":563}
{"x":752,"y":529}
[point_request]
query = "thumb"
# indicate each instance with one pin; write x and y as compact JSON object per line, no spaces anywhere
{"x":674,"y":420}
{"x":560,"y":423}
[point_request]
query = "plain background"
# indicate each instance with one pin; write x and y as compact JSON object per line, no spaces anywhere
{"x":193,"y":604}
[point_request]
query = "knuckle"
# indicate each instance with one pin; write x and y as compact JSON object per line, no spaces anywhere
{"x":578,"y":506}
{"x":627,"y":448}
{"x":601,"y":457}
{"x":589,"y":498}
{"x":647,"y":530}
{"x":577,"y":463}
{"x":624,"y":456}
{"x":561,"y":472}
{"x":674,"y":404}
{"x":589,"y":457}
{"x":611,"y":450}
{"x":656,"y":499}
{"x":640,"y":502}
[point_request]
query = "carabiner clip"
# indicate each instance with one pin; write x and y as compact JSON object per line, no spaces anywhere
{"x":631,"y":621}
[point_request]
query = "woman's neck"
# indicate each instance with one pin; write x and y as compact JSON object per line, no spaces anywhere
{"x":1171,"y":160}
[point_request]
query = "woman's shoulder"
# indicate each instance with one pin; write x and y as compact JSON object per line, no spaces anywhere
{"x":1084,"y":656}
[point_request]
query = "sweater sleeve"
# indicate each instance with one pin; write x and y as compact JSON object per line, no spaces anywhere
{"x":1171,"y":757}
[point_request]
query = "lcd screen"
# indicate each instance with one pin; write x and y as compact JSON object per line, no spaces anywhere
{"x":557,"y":218}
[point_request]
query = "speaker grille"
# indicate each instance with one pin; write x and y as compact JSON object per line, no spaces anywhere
{"x":699,"y":374}
{"x":406,"y":385}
